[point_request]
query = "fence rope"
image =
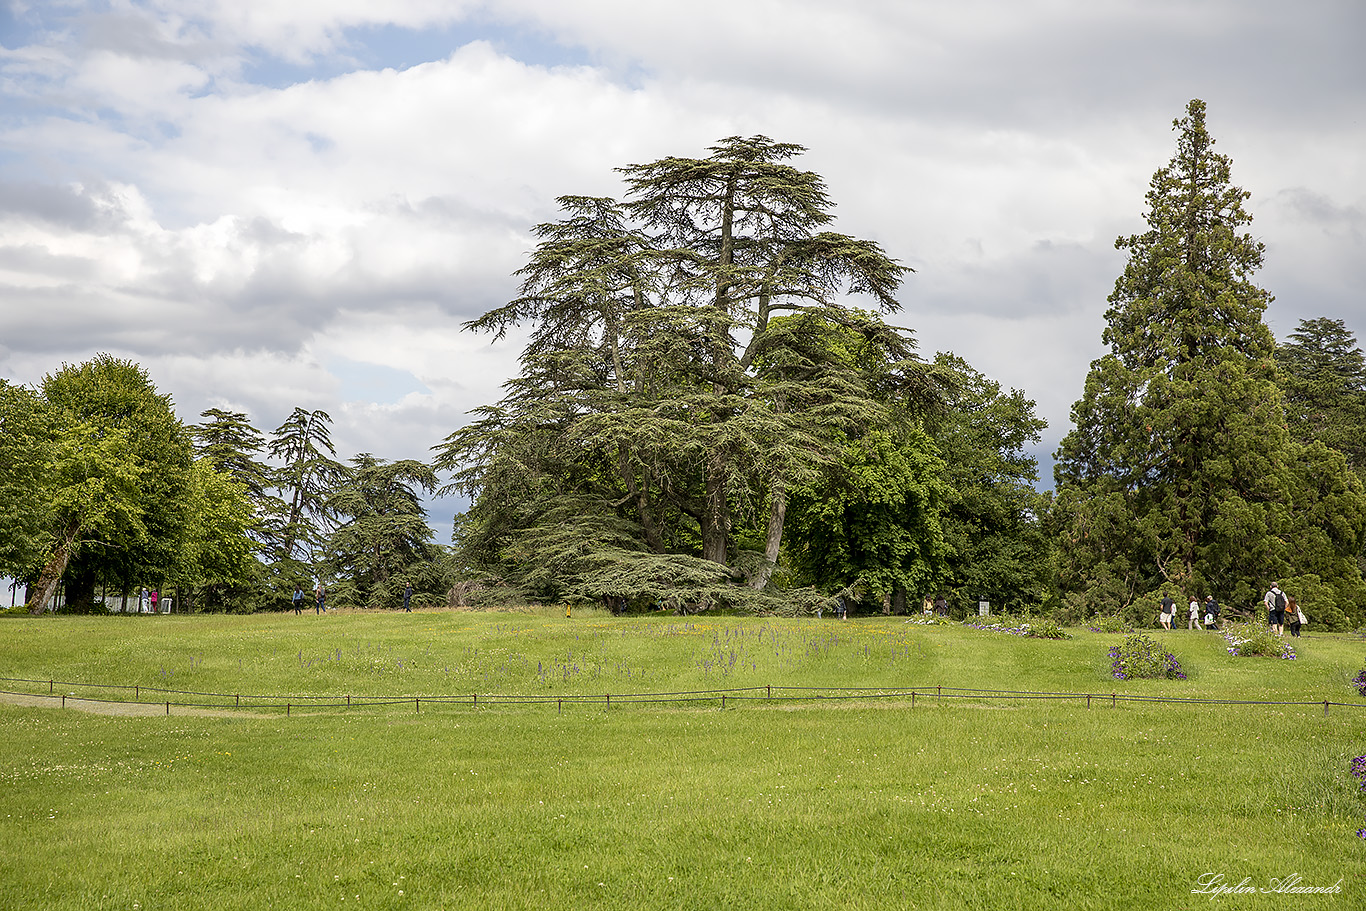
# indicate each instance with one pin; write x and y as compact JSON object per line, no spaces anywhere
{"x":725,"y":697}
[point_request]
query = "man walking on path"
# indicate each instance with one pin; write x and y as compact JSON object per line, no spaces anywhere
{"x":1275,"y":608}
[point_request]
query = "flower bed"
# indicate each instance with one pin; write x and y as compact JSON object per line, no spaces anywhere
{"x":1254,"y":640}
{"x":1039,"y":629}
{"x":1141,"y":656}
{"x":1359,"y":772}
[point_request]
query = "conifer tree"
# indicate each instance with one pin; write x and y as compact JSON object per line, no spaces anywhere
{"x":662,"y":412}
{"x":1176,"y":470}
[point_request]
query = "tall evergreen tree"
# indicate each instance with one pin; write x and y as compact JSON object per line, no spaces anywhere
{"x":1323,"y":376}
{"x":1176,"y":470}
{"x":303,"y":444}
{"x":382,"y":539}
{"x":661,"y":410}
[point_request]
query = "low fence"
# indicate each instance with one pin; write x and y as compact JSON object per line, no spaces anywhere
{"x":722,"y":698}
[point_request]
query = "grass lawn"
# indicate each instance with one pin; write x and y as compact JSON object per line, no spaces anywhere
{"x":850,"y":803}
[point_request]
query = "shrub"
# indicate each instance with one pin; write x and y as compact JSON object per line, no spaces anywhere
{"x":1109,"y":623}
{"x":1249,"y":640}
{"x":1141,"y":656}
{"x":1031,"y":628}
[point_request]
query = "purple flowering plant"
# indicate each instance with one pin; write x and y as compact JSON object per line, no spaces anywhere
{"x":1142,"y":656}
{"x":1359,"y":772}
{"x":1252,"y":640}
{"x":1359,"y":681}
{"x":1036,"y":629}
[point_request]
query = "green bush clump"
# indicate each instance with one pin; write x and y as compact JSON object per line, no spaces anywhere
{"x":1251,"y":640}
{"x":1141,"y":656}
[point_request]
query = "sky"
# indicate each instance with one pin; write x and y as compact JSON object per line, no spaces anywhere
{"x":276,"y":205}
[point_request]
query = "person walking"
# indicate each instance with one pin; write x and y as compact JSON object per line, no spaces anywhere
{"x":1275,"y":608}
{"x":408,"y":597}
{"x":1211,"y":612}
{"x":1294,"y":617}
{"x":1168,"y":611}
{"x":298,"y":599}
{"x":1194,"y":621}
{"x":142,"y":600}
{"x":154,"y":600}
{"x":320,"y":599}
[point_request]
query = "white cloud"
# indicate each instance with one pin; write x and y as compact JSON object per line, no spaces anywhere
{"x":238,"y":238}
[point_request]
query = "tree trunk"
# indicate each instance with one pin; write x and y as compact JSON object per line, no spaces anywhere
{"x":774,"y":542}
{"x":52,"y":572}
{"x":716,"y":515}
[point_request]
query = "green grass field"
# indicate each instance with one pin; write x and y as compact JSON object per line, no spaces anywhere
{"x":784,"y":803}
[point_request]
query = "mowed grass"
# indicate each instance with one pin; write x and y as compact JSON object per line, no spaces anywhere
{"x":850,"y":803}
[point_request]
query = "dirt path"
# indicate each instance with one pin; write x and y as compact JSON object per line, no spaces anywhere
{"x":119,"y":709}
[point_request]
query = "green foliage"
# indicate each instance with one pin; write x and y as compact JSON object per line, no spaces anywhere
{"x":871,"y":525}
{"x":26,"y":456}
{"x":382,"y":538}
{"x":116,"y":479}
{"x":303,"y":443}
{"x":688,"y":365}
{"x":1255,"y":640}
{"x":1141,"y":657}
{"x":998,"y":549}
{"x":1323,"y":376}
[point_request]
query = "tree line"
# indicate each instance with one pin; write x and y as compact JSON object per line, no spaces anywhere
{"x":105,"y":488}
{"x":714,"y":411}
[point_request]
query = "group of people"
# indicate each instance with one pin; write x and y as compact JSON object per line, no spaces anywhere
{"x":149,"y":602}
{"x":1199,"y":615}
{"x":1283,"y":611}
{"x":319,"y":599}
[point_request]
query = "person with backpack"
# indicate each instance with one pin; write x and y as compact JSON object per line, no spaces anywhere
{"x":1275,"y":608}
{"x":1211,"y":612}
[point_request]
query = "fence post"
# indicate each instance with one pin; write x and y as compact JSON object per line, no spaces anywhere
{"x":239,"y":700}
{"x":417,"y":704}
{"x":475,"y":697}
{"x":1088,"y":700}
{"x":49,"y":687}
{"x":63,"y":700}
{"x":168,"y":706}
{"x":1325,"y":708}
{"x":286,"y":709}
{"x":136,"y":693}
{"x":561,"y":705}
{"x":1112,"y":700}
{"x":912,"y":698}
{"x":609,"y":700}
{"x":723,"y":702}
{"x":348,"y":700}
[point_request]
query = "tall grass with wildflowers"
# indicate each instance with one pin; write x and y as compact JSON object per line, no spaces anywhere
{"x":1255,"y":640}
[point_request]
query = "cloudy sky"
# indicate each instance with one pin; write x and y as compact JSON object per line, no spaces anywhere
{"x":275,"y":204}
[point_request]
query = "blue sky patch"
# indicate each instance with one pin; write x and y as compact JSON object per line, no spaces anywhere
{"x":361,"y":382}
